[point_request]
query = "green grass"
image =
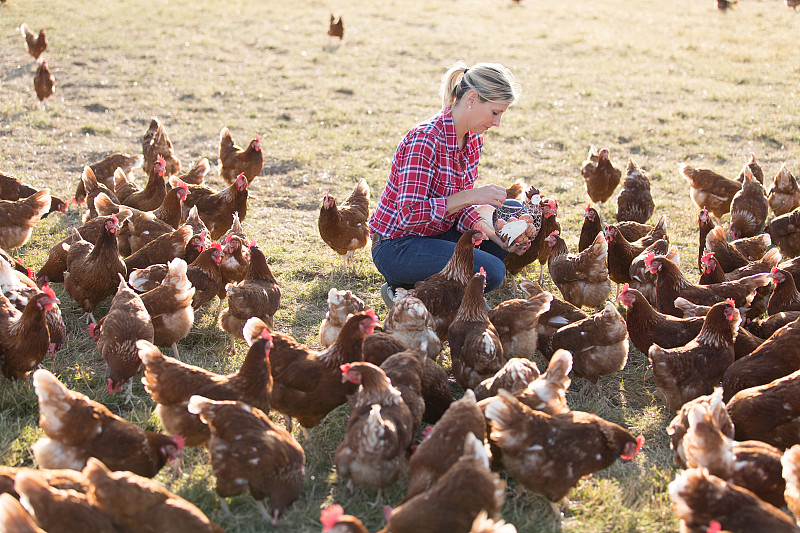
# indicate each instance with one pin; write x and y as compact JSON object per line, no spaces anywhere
{"x":667,"y":84}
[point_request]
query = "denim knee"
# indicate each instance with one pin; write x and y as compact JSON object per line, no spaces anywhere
{"x":495,"y":271}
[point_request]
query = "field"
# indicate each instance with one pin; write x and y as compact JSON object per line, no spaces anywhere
{"x":661,"y":83}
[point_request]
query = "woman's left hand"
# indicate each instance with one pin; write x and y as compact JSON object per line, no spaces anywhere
{"x":518,"y":249}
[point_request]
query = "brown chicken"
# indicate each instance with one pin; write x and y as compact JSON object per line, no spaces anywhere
{"x":769,"y":413}
{"x":56,"y":265}
{"x":671,"y":284}
{"x":341,"y":304}
{"x":43,"y":83}
{"x":170,"y":306}
{"x":785,"y":233}
{"x":308,"y":383}
{"x":344,"y":228}
{"x":582,"y":278}
{"x":380,"y":429}
{"x":197,"y":174}
{"x":547,"y":392}
{"x":216,"y":209}
{"x":679,"y":425}
{"x":736,"y":254}
{"x":699,"y":499}
{"x":104,"y":171}
{"x":334,"y":520}
{"x":160,"y":250}
{"x":234,"y":160}
{"x":442,"y":293}
{"x":140,"y":229}
{"x":784,"y":193}
{"x":785,"y":296}
{"x":641,"y":279}
{"x":203,"y":273}
{"x":94,"y":189}
{"x":155,"y":142}
{"x":12,"y":189}
{"x":153,"y":194}
{"x":457,"y":497}
{"x":646,"y":326}
{"x":599,"y":175}
{"x":635,"y":203}
{"x":560,"y":314}
{"x":766,"y":327}
{"x":140,"y":504}
{"x":441,"y":449}
{"x":475,"y":348}
{"x":593,"y":224}
{"x":778,"y":356}
{"x":235,"y":260}
{"x":598,"y":343}
{"x":621,"y":254}
{"x":171,"y":209}
{"x":710,"y":190}
{"x":14,"y":517}
{"x":549,"y":454}
{"x":36,"y":44}
{"x":57,"y":510}
{"x":791,"y":462}
{"x":248,"y":451}
{"x":126,"y":322}
{"x":749,"y":208}
{"x":404,"y":369}
{"x":517,"y":323}
{"x":684,"y":373}
{"x":24,"y":336}
{"x":752,"y":465}
{"x":77,"y":428}
{"x":171,"y":383}
{"x":92,"y":270}
{"x":18,"y":218}
{"x":336,"y":27}
{"x":258,"y":295}
{"x":754,"y":167}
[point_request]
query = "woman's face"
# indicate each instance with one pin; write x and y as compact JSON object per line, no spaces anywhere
{"x":484,"y":115}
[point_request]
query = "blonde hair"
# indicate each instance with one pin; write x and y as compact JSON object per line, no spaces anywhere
{"x":492,"y":81}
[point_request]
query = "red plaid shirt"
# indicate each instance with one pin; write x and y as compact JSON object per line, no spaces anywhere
{"x":428,"y":167}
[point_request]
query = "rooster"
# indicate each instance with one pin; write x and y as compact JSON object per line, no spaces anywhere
{"x":36,"y":44}
{"x":77,"y":428}
{"x":344,"y":228}
{"x":234,"y":160}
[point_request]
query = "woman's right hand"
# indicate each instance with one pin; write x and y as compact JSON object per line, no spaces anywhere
{"x":489,"y":194}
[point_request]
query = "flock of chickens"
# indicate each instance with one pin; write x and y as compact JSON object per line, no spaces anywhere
{"x":725,"y":354}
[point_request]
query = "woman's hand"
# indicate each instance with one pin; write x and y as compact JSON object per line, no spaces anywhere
{"x":518,"y":249}
{"x":490,"y":194}
{"x":495,"y":237}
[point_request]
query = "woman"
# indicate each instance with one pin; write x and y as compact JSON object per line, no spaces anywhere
{"x":429,"y":197}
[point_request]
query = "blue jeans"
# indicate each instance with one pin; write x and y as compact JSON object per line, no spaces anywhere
{"x":406,"y":260}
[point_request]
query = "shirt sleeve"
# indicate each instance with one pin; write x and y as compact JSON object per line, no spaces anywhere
{"x":469,"y":217}
{"x":416,"y":169}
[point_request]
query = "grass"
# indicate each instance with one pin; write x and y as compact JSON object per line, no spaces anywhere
{"x":666,"y":85}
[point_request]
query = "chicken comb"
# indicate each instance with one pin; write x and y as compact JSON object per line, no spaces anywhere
{"x":588,"y":206}
{"x":649,"y":259}
{"x":160,"y":160}
{"x":252,"y":244}
{"x":241,"y":176}
{"x":371,"y":313}
{"x":714,"y":527}
{"x":482,"y":272}
{"x":774,"y":269}
{"x":266,"y":334}
{"x":31,"y":274}
{"x":345,"y":368}
{"x":730,"y":302}
{"x":216,"y":246}
{"x":706,"y":257}
{"x":554,"y":234}
{"x":330,"y":517}
{"x":387,"y":512}
{"x":180,"y":441}
{"x":49,"y":291}
{"x":92,"y":328}
{"x":624,"y":289}
{"x":204,"y":234}
{"x":182,"y":185}
{"x":639,"y":444}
